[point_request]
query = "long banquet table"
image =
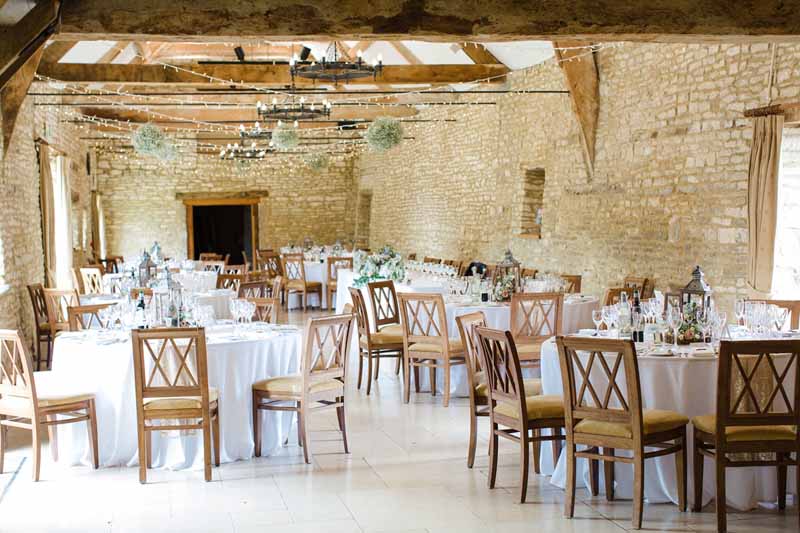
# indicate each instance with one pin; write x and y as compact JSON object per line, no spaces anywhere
{"x":683,"y":384}
{"x":102,"y":362}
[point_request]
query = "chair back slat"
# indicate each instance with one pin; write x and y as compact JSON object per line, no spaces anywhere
{"x":327,"y":342}
{"x":267,"y":309}
{"x":383,"y":299}
{"x":230,"y":281}
{"x":467,"y":325}
{"x":573,"y":283}
{"x":36,"y":293}
{"x":16,"y":368}
{"x":82,"y":317}
{"x":254,"y":289}
{"x":337,"y":263}
{"x":92,"y":278}
{"x":294,"y":267}
{"x":613,"y":295}
{"x":536,"y":316}
{"x":240,"y":270}
{"x":360,"y":308}
{"x":269,"y":262}
{"x":57,"y":302}
{"x":754,"y":383}
{"x":601,"y":381}
{"x":170,"y":363}
{"x":424,"y":318}
{"x":213,"y":266}
{"x":635,"y":283}
{"x":502,"y":369}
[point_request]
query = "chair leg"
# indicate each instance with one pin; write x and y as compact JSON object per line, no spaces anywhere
{"x":397,"y":365}
{"x":493,"y":442}
{"x":207,"y":448}
{"x":416,"y":379}
{"x":524,"y":465}
{"x":722,"y":519}
{"x":93,"y":441}
{"x":680,"y":467}
{"x":447,"y":368}
{"x":537,"y":462}
{"x":143,"y":438}
{"x":594,"y":477}
{"x":300,"y":440}
{"x":608,"y":474}
{"x":406,"y":379}
{"x":432,"y":375}
{"x":697,"y":468}
{"x":52,"y":434}
{"x":782,"y":480}
{"x":301,"y":426}
{"x":638,"y":489}
{"x":342,"y":424}
{"x":369,"y":372}
{"x":569,"y":497}
{"x":360,"y":368}
{"x":256,"y":426}
{"x":2,"y":443}
{"x":36,"y":445}
{"x":215,"y":436}
{"x":377,"y":364}
{"x":473,"y":436}
{"x":555,"y":445}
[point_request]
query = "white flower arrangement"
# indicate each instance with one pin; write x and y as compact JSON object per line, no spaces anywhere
{"x":384,"y":133}
{"x":285,"y":138}
{"x":317,"y":162}
{"x":151,"y":140}
{"x":386,"y":263}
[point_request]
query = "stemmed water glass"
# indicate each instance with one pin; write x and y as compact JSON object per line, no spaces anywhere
{"x":597,"y":318}
{"x":779,"y":316}
{"x":674,"y":322}
{"x":740,"y":309}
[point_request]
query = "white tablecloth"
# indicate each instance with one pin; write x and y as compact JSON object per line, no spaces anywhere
{"x":220,"y":300}
{"x":233,"y":366}
{"x":685,"y":385}
{"x":197,"y":280}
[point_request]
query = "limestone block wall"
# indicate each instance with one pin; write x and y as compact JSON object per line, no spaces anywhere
{"x":669,"y":186}
{"x":140,"y":205}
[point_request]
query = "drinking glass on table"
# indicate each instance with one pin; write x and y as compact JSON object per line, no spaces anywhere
{"x":674,"y":322}
{"x":779,"y":316}
{"x":739,"y":309}
{"x":597,"y":318}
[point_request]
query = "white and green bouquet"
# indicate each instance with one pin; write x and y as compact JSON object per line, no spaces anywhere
{"x":504,"y":287}
{"x":386,"y":263}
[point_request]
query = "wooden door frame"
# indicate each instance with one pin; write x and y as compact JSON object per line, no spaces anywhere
{"x":191,"y":202}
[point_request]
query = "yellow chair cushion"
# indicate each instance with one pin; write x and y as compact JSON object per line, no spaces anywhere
{"x":294,"y":385}
{"x":537,"y":407}
{"x":425,"y":347}
{"x":180,"y":402}
{"x":653,"y":421}
{"x":393,"y":329}
{"x":528,"y":350}
{"x":533,"y":387}
{"x":708,"y":424}
{"x":382,"y":338}
{"x":299,"y":285}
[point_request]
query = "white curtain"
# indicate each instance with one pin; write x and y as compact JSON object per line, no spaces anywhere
{"x":101,"y":228}
{"x":62,"y":221}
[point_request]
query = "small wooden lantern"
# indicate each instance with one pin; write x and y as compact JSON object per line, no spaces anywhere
{"x":508,"y":265}
{"x":697,"y":291}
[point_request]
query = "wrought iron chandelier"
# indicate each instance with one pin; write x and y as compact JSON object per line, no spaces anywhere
{"x":256,"y":132}
{"x":241,"y":151}
{"x":334,"y":68}
{"x":294,"y":111}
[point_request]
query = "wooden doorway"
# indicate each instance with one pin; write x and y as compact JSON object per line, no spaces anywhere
{"x":247,"y":201}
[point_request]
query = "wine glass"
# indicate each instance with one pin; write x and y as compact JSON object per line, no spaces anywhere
{"x":674,"y":321}
{"x":779,"y":316}
{"x":597,"y":318}
{"x":740,"y":309}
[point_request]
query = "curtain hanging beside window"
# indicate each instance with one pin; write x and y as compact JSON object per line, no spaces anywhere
{"x":48,"y":220}
{"x":62,"y":221}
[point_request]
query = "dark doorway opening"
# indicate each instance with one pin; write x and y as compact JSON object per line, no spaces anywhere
{"x":223,"y":229}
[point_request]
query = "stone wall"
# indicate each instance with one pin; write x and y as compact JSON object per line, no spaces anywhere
{"x":668,"y":190}
{"x":139,"y":198}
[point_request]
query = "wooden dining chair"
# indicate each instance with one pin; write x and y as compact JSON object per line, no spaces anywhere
{"x":572,"y":283}
{"x":57,"y":301}
{"x":91,"y":280}
{"x":42,"y":324}
{"x":319,"y":385}
{"x":373,"y":344}
{"x":614,"y":294}
{"x":476,"y":381}
{"x":792,"y":305}
{"x":649,"y":289}
{"x":385,"y":312}
{"x":111,"y":263}
{"x":535,"y":317}
{"x":213,"y":266}
{"x":761,"y":424}
{"x":210,"y":256}
{"x":267,"y":309}
{"x":426,"y":343}
{"x":144,"y":291}
{"x":514,"y":413}
{"x":635,"y":283}
{"x":80,"y":317}
{"x":247,"y":263}
{"x":239,"y":270}
{"x":77,"y":280}
{"x":603,"y":410}
{"x":296,"y":283}
{"x":434,"y":260}
{"x":230,"y":281}
{"x":334,"y":265}
{"x":269,"y":262}
{"x":529,"y":273}
{"x":171,"y":379}
{"x":37,"y":401}
{"x":254,"y":289}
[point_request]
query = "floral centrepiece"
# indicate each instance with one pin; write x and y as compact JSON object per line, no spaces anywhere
{"x":384,"y":133}
{"x":504,"y":287}
{"x":690,"y":330}
{"x":386,"y":263}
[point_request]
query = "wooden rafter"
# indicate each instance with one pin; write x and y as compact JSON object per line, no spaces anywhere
{"x":259,"y":74}
{"x":21,"y":41}
{"x":13,"y":93}
{"x":55,"y":50}
{"x":479,"y":54}
{"x":360,"y":46}
{"x":113,"y":52}
{"x":580,"y":74}
{"x":407,"y":54}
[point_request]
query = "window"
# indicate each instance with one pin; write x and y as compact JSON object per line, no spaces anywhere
{"x":786,"y":273}
{"x":532,"y":202}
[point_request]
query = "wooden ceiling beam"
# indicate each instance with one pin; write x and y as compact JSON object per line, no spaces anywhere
{"x":20,"y":42}
{"x":260,"y":74}
{"x":13,"y":93}
{"x":55,"y":50}
{"x":479,"y":54}
{"x":113,"y":52}
{"x":442,"y":21}
{"x":407,"y":54}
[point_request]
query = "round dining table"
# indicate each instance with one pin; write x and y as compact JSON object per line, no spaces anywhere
{"x":685,"y":384}
{"x":101,"y":361}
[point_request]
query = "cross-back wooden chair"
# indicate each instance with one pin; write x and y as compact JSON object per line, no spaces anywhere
{"x":514,"y":413}
{"x":792,"y":305}
{"x":762,"y":424}
{"x":385,"y":312}
{"x":254,"y":289}
{"x":376,"y":344}
{"x":82,"y":317}
{"x":57,"y":301}
{"x":319,"y":385}
{"x":603,"y":410}
{"x":636,"y":283}
{"x":92,"y":279}
{"x":269,"y":262}
{"x":37,"y":401}
{"x":573,"y":283}
{"x":267,"y":309}
{"x":434,"y":260}
{"x":240,"y":270}
{"x":529,"y":273}
{"x":210,"y":256}
{"x":43,"y":332}
{"x":111,"y":263}
{"x":614,"y":294}
{"x":142,"y":291}
{"x":426,"y":343}
{"x":77,"y":280}
{"x":171,"y":376}
{"x":295,"y":280}
{"x":535,"y":317}
{"x":230,"y":281}
{"x":334,"y":265}
{"x":649,"y":289}
{"x":213,"y":266}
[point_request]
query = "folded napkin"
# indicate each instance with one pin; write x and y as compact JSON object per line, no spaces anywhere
{"x":702,"y":352}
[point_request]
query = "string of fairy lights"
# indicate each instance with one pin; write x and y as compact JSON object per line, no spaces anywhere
{"x":141,"y":101}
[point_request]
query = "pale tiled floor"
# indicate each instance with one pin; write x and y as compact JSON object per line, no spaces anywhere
{"x":406,"y":473}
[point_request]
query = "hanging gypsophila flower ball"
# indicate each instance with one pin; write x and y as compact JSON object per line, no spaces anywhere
{"x":285,"y":138}
{"x":317,"y":162}
{"x":384,"y":133}
{"x":149,"y":140}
